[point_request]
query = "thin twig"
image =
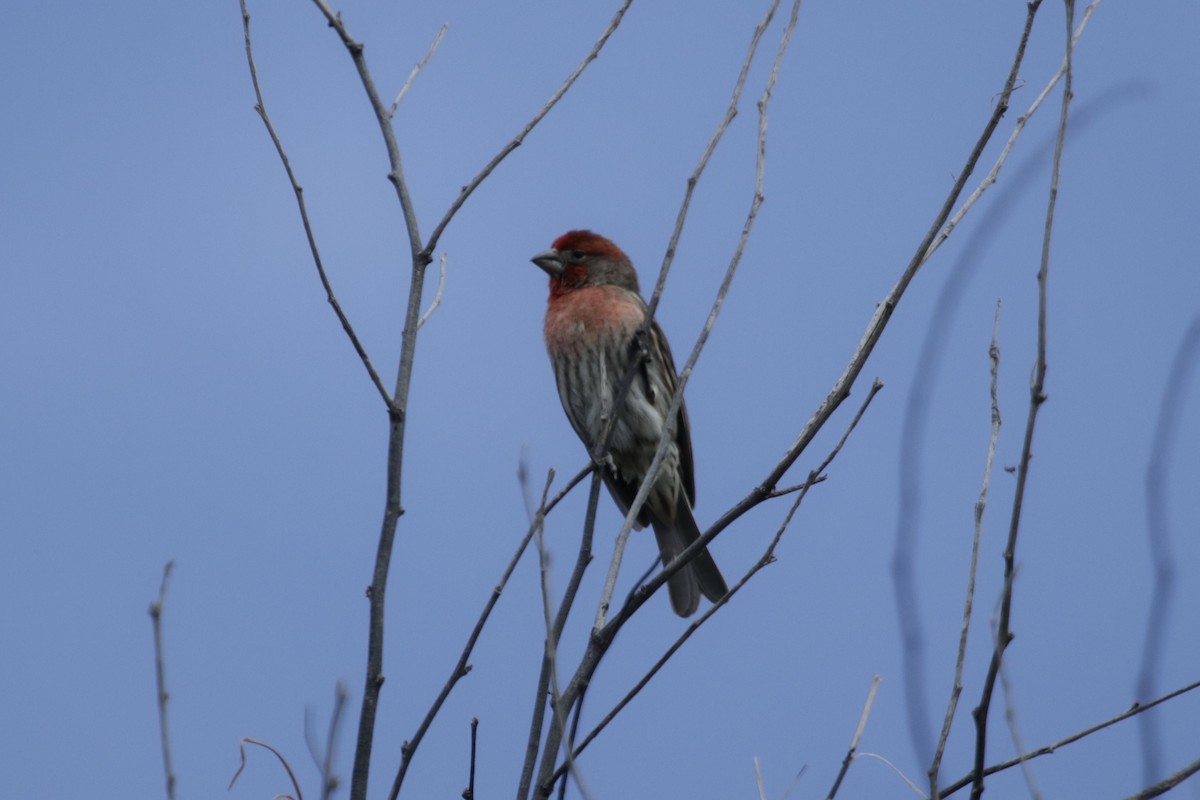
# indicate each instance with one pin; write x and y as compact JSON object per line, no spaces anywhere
{"x":543,"y":690}
{"x":416,"y":70}
{"x":1037,"y":396}
{"x":329,"y":780}
{"x":437,"y":295}
{"x":980,"y":505}
{"x":550,"y":654}
{"x":261,"y":108}
{"x":469,"y":792}
{"x":858,"y":732}
{"x":1133,"y":711}
{"x":899,"y":772}
{"x":160,"y":678}
{"x":245,"y":740}
{"x":529,"y":126}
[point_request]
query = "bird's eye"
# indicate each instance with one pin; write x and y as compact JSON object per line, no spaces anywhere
{"x":577,"y":255}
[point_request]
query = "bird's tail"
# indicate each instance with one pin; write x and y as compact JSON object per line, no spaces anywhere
{"x":701,"y":574}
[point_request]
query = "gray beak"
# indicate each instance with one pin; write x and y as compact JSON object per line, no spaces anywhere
{"x":550,"y":261}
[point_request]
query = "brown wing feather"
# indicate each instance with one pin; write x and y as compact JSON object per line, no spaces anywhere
{"x":683,"y":431}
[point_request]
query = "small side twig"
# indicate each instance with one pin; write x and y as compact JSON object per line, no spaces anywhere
{"x":469,"y":792}
{"x":416,"y":70}
{"x":245,"y":740}
{"x":437,"y":295}
{"x":980,"y":505}
{"x":156,"y":609}
{"x":582,"y":560}
{"x":329,"y":779}
{"x":858,"y":732}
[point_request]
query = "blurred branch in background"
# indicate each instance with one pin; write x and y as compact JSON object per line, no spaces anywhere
{"x":156,"y":609}
{"x":1159,"y":541}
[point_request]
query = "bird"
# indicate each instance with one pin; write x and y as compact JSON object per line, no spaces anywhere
{"x":593,"y":315}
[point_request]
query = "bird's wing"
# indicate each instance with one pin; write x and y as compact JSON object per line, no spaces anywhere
{"x":683,"y":431}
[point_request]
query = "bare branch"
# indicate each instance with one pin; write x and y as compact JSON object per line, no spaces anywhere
{"x":416,"y":70}
{"x":160,"y":677}
{"x":858,"y":732}
{"x":261,"y":107}
{"x":980,"y":505}
{"x":1037,"y":396}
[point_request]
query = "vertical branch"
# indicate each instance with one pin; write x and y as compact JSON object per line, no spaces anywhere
{"x":560,"y":622}
{"x":161,"y":680}
{"x":1037,"y":397}
{"x":980,"y":504}
{"x":858,"y":732}
{"x":324,"y":763}
{"x":469,"y":792}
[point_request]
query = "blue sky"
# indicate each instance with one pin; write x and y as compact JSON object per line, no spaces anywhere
{"x":177,"y":387}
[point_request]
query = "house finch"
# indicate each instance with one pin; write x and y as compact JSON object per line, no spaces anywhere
{"x":594,"y":312}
